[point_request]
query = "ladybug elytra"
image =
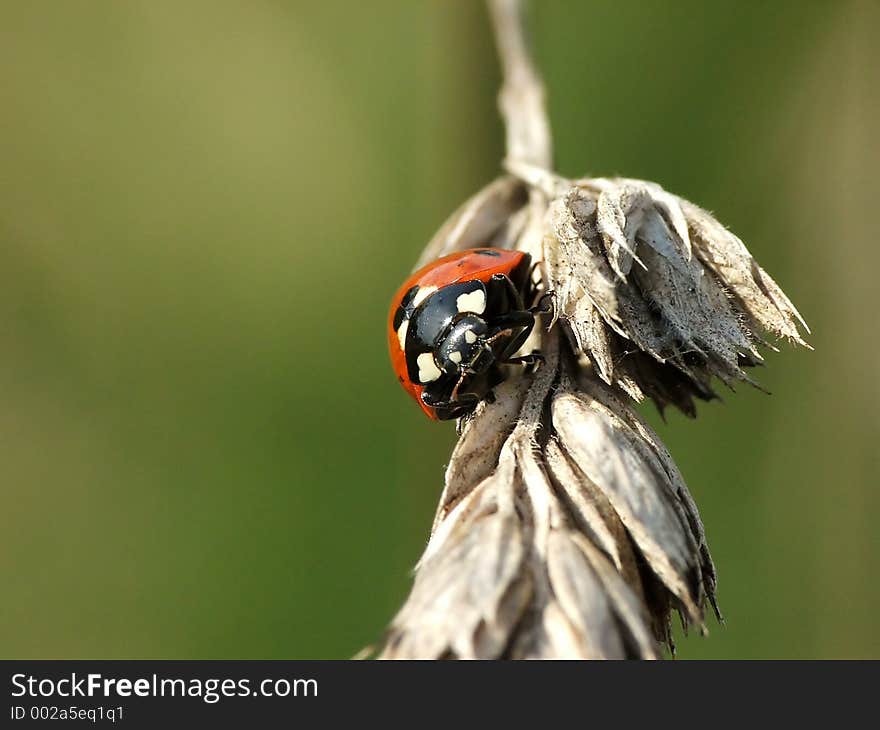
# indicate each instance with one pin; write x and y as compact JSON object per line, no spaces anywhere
{"x":455,"y":322}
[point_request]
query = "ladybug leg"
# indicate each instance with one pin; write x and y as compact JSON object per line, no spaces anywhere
{"x":532,"y":269}
{"x":524,"y":321}
{"x":516,"y":343}
{"x":513,"y":294}
{"x":546,"y":303}
{"x":454,"y":396}
{"x":533,"y":359}
{"x":458,"y":407}
{"x":518,"y":318}
{"x":462,"y":422}
{"x":465,"y":418}
{"x":462,"y":401}
{"x":469,"y":399}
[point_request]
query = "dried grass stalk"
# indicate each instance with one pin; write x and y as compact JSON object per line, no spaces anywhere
{"x":565,"y":530}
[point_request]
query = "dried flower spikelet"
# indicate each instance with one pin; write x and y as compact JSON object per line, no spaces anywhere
{"x":656,"y":293}
{"x":565,"y":530}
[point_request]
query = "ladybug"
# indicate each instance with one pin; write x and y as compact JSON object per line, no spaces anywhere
{"x":455,"y":322}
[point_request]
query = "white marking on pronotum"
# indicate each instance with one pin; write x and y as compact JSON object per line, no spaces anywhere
{"x":470,"y":337}
{"x":455,"y":357}
{"x":422,"y":294}
{"x":401,"y":333}
{"x":428,"y":370}
{"x":474,"y":301}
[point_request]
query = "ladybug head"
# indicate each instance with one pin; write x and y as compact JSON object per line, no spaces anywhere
{"x":465,"y":347}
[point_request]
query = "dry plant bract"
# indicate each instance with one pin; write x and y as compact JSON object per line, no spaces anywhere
{"x":565,"y":529}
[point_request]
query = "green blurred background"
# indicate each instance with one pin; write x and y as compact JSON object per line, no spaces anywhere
{"x":204,"y":210}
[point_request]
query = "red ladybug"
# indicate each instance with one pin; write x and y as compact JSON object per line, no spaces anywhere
{"x":453,"y":324}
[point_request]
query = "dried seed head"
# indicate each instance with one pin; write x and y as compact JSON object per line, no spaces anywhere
{"x":656,"y":293}
{"x":565,"y":528}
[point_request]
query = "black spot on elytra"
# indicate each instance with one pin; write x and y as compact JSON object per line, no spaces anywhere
{"x":405,"y":309}
{"x":409,"y":296}
{"x":398,"y":318}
